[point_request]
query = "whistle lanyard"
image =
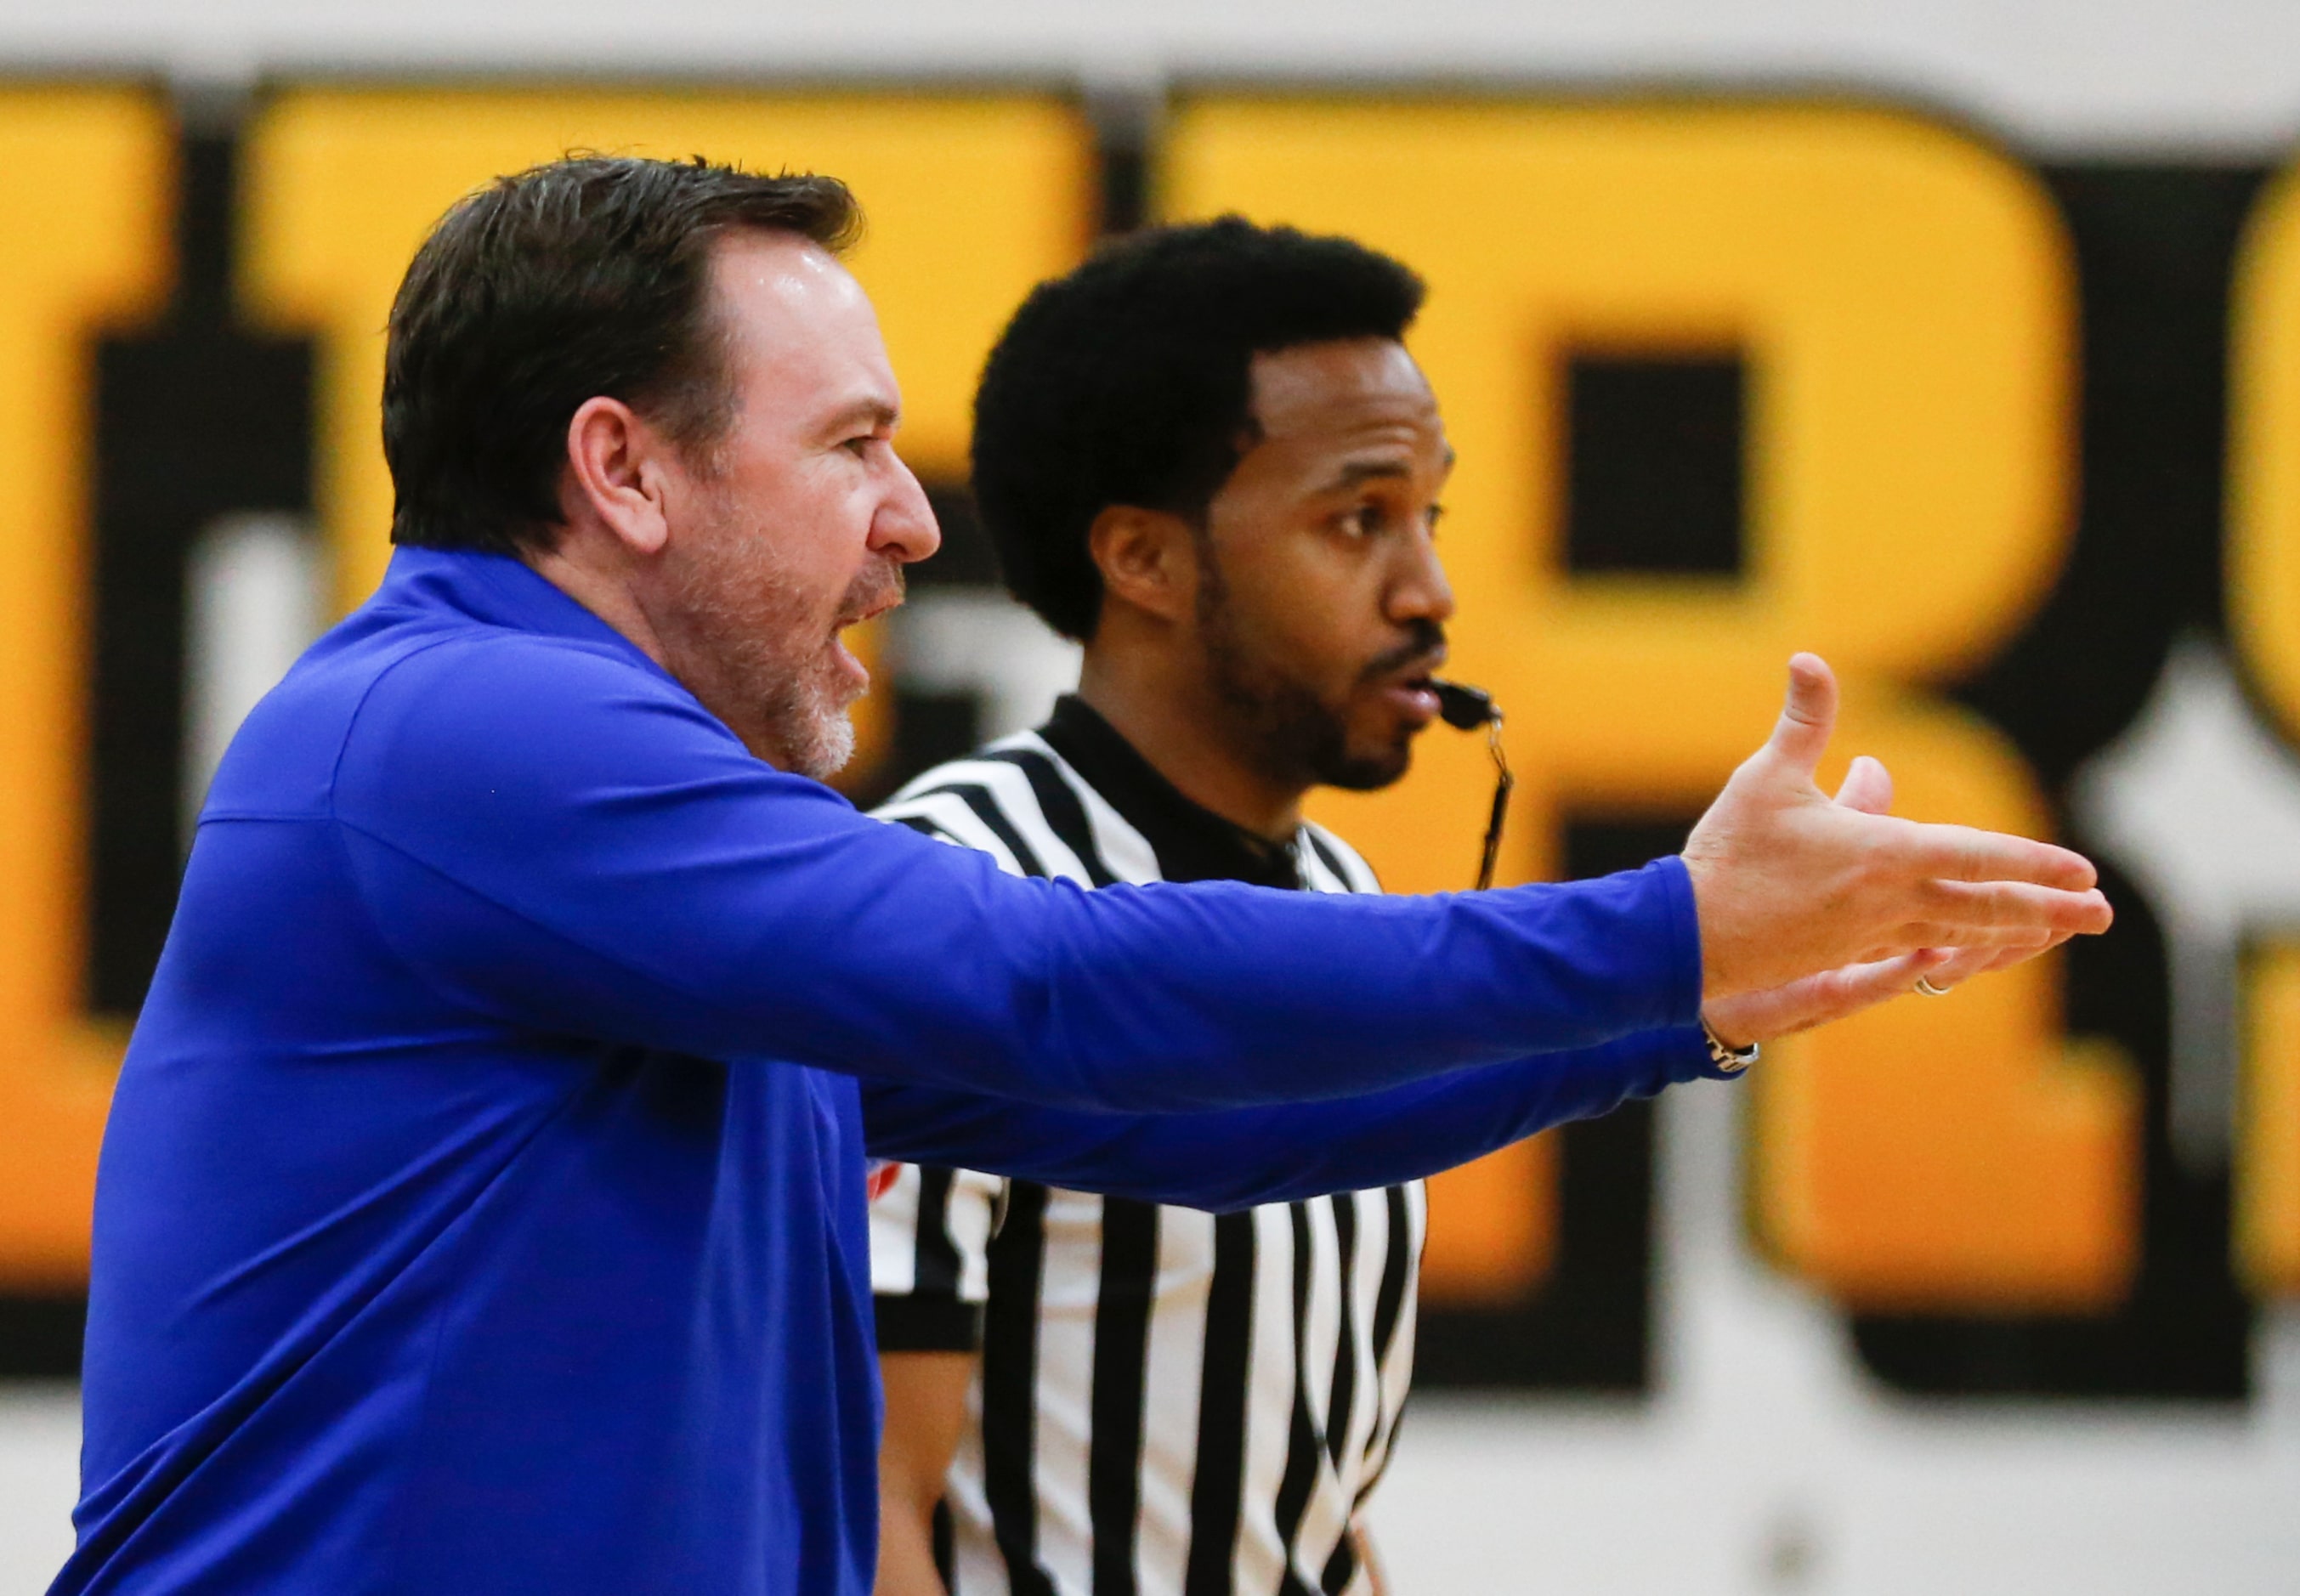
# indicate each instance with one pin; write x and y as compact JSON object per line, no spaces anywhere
{"x":1503,"y":782}
{"x":1465,"y":708}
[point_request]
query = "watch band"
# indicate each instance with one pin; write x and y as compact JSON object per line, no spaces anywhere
{"x":1731,"y":1060}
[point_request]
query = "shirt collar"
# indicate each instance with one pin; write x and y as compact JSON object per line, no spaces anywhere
{"x":1193,"y":843}
{"x":495,"y":590}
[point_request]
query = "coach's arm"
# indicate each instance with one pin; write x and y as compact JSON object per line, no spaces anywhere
{"x":1241,"y":1158}
{"x":571,"y":844}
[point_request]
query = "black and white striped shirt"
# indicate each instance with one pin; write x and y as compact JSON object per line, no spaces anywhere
{"x":1168,"y":1403}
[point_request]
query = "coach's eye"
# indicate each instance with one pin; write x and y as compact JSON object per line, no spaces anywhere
{"x":860,"y":444}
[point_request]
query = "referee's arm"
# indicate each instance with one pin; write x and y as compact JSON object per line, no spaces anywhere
{"x":926,"y":1415}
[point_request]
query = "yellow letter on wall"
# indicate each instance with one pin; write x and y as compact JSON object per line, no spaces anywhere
{"x":2266,"y":1221}
{"x":2263,"y":610}
{"x":85,"y":179}
{"x":1901,"y":298}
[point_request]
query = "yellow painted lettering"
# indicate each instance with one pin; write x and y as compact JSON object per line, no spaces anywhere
{"x":85,"y":181}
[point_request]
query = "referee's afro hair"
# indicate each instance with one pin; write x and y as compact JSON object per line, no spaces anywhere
{"x":1129,"y":381}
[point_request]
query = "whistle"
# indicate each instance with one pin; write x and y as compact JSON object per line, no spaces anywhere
{"x":1462,"y":707}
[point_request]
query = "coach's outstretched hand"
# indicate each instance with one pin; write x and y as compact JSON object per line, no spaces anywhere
{"x":1779,"y":1011}
{"x":1823,"y":906}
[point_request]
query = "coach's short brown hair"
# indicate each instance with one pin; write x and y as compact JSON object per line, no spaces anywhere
{"x":584,"y":277}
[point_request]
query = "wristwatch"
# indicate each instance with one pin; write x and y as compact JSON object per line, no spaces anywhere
{"x":1732,"y":1060}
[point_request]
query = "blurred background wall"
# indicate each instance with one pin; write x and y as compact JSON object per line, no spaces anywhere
{"x":1961,"y":342}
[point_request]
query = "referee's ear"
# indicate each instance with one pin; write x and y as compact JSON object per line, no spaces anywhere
{"x":1148,"y":559}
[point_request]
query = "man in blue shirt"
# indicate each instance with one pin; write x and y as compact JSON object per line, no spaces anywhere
{"x":482,"y":1205}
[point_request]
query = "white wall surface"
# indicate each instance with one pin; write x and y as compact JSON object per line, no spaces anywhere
{"x":40,"y":1470}
{"x":2055,"y":74}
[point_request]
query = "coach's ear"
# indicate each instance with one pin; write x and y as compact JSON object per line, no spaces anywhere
{"x":1148,"y":559}
{"x":615,"y":476}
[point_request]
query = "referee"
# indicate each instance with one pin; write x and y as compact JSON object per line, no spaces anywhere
{"x":1208,"y":455}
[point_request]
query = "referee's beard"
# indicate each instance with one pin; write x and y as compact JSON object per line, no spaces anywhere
{"x":1283,"y":726}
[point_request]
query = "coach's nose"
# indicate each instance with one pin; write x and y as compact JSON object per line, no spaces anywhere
{"x":904,"y":525}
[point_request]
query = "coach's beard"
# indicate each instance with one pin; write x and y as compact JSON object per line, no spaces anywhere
{"x":811,"y":712}
{"x":790,"y":681}
{"x":821,"y":739}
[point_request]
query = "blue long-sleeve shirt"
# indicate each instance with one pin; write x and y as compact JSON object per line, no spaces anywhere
{"x":481,"y":1208}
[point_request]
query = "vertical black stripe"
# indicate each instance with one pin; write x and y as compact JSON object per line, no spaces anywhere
{"x":1065,"y":815}
{"x":1388,"y":1303}
{"x":1122,"y":1345}
{"x":1303,"y":1452}
{"x":1216,"y":1491}
{"x":1330,"y":860}
{"x":946,"y":1543}
{"x":1343,"y":1391}
{"x":1342,"y":1567}
{"x":1010,"y":1377}
{"x":934,"y":1255}
{"x":976,"y":797}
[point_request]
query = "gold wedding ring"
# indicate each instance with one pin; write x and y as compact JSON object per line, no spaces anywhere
{"x":1925,"y":988}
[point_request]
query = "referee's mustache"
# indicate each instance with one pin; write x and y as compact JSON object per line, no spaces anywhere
{"x":1420,"y":654}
